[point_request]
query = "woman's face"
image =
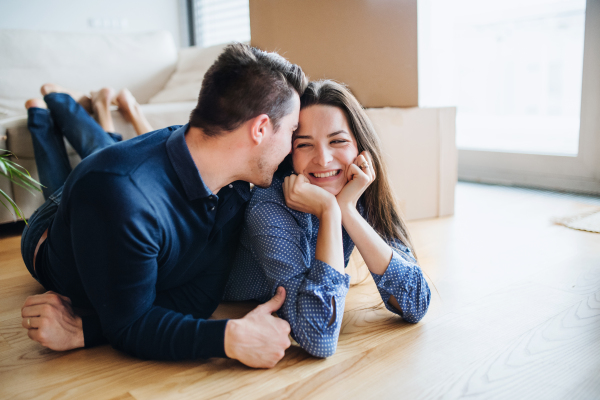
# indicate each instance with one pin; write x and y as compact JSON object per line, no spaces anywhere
{"x":323,"y":147}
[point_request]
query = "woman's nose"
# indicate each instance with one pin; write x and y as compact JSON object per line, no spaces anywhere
{"x":323,"y":156}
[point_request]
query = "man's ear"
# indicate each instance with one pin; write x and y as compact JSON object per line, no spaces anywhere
{"x":259,"y":128}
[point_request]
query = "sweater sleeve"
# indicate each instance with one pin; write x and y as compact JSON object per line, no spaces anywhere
{"x":92,"y":331}
{"x":315,"y":291}
{"x":117,"y":239}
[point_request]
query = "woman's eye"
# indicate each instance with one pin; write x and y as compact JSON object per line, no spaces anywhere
{"x":338,"y":141}
{"x":302,"y":145}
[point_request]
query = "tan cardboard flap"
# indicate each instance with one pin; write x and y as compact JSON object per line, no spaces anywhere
{"x":371,"y":45}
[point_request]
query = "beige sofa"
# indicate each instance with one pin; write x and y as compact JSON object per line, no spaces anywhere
{"x":419,"y":143}
{"x":165,"y":80}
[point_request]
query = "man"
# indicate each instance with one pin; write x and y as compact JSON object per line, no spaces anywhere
{"x":143,"y":236}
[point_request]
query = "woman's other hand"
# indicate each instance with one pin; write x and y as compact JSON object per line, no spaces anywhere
{"x":303,"y":196}
{"x":360,"y":175}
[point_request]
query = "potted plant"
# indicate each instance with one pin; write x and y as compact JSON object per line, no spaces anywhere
{"x":17,"y":175}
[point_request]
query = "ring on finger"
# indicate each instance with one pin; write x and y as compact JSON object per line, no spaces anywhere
{"x":364,"y":165}
{"x":29,"y":322}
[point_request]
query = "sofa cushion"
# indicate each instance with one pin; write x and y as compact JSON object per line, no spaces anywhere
{"x":185,"y":83}
{"x":142,"y":62}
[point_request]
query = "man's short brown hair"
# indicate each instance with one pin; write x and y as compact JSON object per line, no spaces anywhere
{"x":244,"y":83}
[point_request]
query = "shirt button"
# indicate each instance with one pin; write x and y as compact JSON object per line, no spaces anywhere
{"x":230,"y":186}
{"x":212,"y":208}
{"x":387,"y":284}
{"x":335,"y":281}
{"x":211,"y":197}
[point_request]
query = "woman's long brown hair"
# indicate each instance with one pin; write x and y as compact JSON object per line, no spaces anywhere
{"x":380,"y":203}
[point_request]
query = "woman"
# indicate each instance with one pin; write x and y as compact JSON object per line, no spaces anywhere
{"x":331,"y":194}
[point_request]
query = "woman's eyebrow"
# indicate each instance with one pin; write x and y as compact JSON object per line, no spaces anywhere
{"x":330,"y":135}
{"x":337,"y":133}
{"x":301,"y":137}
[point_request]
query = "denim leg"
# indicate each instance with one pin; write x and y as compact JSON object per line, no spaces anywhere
{"x":49,"y":149}
{"x":81,"y":130}
{"x":39,"y":221}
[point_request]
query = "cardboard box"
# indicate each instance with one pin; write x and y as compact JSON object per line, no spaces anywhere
{"x":370,"y":45}
{"x":420,"y":152}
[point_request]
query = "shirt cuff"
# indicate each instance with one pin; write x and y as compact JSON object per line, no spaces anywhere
{"x":92,"y":331}
{"x":403,"y":280}
{"x":323,"y":276}
{"x":393,"y":281}
{"x":212,"y":341}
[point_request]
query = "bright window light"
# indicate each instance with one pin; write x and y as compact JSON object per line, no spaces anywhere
{"x":221,"y":21}
{"x":512,"y":68}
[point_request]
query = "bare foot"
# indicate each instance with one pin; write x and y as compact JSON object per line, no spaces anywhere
{"x":37,"y":103}
{"x":126,"y":103}
{"x":101,"y":102}
{"x":132,"y":112}
{"x":79,"y":97}
{"x":104,"y":96}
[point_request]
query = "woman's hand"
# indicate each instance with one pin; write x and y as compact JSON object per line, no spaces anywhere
{"x":360,"y":175}
{"x":303,"y":196}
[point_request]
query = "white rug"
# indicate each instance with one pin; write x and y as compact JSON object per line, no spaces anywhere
{"x":589,"y":221}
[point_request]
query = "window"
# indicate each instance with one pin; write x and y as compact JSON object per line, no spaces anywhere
{"x":523,"y":76}
{"x":219,"y":21}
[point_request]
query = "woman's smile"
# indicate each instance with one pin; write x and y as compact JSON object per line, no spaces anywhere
{"x":329,"y":175}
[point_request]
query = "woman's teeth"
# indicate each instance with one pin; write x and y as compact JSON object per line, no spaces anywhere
{"x":326,"y":174}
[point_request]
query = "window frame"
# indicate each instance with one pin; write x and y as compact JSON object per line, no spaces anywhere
{"x":580,"y":173}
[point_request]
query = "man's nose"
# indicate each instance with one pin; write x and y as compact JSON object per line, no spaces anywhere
{"x":323,"y":156}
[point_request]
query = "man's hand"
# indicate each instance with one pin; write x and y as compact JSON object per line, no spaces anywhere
{"x":259,"y":339}
{"x":50,"y":320}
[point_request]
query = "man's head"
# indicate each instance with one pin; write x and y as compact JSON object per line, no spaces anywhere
{"x":245,"y":83}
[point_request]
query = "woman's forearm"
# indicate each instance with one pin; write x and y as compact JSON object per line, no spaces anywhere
{"x":330,"y":247}
{"x":411,"y":303}
{"x":374,"y":250}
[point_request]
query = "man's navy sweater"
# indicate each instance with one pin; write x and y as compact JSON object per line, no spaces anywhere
{"x":142,"y":243}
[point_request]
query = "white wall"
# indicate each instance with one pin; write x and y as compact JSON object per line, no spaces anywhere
{"x":96,"y":16}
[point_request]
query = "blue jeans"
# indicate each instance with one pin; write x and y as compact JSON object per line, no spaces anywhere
{"x":64,"y":118}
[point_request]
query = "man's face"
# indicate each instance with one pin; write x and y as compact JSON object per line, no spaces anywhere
{"x":277,"y":145}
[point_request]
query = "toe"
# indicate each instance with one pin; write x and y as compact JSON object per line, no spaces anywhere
{"x":37,"y":103}
{"x":48,"y":88}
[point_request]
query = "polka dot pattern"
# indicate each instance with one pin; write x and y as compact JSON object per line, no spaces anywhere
{"x":278,"y":249}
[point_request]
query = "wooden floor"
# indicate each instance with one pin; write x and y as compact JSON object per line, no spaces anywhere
{"x":515,"y":315}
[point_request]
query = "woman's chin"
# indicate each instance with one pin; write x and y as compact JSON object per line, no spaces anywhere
{"x":334,"y":190}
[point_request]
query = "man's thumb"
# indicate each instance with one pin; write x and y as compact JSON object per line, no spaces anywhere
{"x":277,"y":301}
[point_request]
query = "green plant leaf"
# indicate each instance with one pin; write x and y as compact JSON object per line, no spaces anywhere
{"x":18,"y":212}
{"x":18,"y":176}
